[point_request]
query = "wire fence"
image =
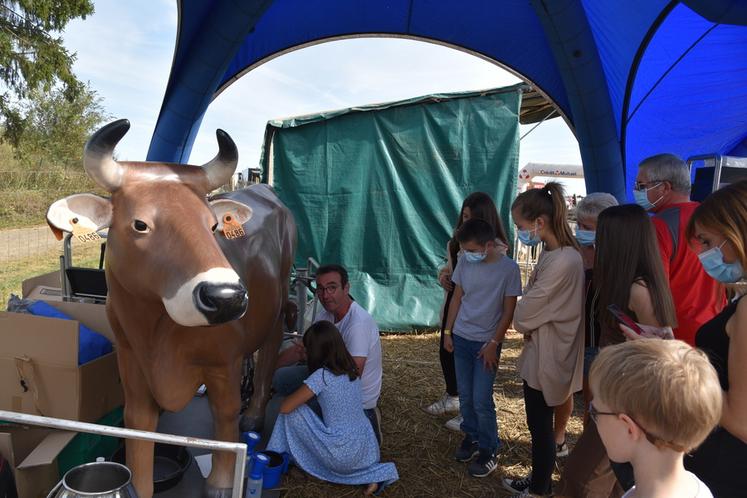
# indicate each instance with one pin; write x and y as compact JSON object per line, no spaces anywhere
{"x":33,"y":249}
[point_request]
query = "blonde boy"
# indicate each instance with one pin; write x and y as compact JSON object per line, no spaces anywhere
{"x":654,"y":400}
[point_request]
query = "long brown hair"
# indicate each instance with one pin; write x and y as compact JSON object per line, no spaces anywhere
{"x":725,"y":211}
{"x":326,"y":349}
{"x":547,"y":201}
{"x":482,"y":207}
{"x":627,"y":251}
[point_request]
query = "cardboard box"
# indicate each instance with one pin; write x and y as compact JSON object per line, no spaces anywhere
{"x":32,"y":453}
{"x":51,"y":280}
{"x":39,"y":372}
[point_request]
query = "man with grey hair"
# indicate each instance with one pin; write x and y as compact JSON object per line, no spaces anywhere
{"x":586,"y":222}
{"x":662,"y":187}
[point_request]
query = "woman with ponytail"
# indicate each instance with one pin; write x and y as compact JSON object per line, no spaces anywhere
{"x":550,"y":316}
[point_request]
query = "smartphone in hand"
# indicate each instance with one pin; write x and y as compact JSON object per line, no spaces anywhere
{"x":621,"y":317}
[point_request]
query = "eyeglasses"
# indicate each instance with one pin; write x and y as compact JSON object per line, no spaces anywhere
{"x":330,"y":289}
{"x":656,"y":441}
{"x":593,"y":413}
{"x":643,"y":185}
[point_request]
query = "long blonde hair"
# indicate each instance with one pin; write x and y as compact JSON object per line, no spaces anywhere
{"x":725,"y":211}
{"x":547,"y":201}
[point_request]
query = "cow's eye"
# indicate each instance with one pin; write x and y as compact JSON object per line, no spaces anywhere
{"x":140,"y":226}
{"x":215,"y":227}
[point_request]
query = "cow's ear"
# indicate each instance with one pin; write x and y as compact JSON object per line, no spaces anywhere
{"x":86,"y":210}
{"x":239,"y":212}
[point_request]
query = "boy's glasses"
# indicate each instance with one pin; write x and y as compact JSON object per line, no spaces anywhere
{"x":593,"y":413}
{"x":656,"y":441}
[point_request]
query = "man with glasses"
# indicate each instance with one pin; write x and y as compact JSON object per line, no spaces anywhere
{"x":359,"y":332}
{"x":662,"y":187}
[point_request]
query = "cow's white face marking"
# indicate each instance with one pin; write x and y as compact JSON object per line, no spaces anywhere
{"x":181,"y":306}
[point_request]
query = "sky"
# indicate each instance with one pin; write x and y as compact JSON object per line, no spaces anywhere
{"x":125,"y":51}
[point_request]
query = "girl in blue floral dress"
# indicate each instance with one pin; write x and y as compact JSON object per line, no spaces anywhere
{"x":342,"y":448}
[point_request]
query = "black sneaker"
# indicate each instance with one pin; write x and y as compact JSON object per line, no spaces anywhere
{"x":486,"y":463}
{"x":561,"y":450}
{"x":518,"y":485}
{"x":467,"y":450}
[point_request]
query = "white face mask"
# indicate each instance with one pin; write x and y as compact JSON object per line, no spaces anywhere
{"x":475,"y":257}
{"x":641,"y":198}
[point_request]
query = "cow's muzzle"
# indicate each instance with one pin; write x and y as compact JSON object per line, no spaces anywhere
{"x":220,"y":303}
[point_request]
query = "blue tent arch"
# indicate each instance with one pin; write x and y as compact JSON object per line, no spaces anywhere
{"x":631,"y":77}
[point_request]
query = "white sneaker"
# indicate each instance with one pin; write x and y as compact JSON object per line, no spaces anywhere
{"x":445,"y":404}
{"x":455,"y":424}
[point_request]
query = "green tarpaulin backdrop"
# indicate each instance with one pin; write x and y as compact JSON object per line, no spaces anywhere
{"x":379,"y":188}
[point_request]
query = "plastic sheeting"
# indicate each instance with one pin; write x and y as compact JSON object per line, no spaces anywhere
{"x":379,"y":188}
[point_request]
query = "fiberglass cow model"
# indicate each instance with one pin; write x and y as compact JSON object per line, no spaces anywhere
{"x":179,"y":287}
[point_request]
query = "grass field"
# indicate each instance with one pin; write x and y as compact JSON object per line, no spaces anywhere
{"x":15,"y":271}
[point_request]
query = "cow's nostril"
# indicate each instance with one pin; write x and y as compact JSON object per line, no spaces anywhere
{"x":220,"y":302}
{"x":207,"y":298}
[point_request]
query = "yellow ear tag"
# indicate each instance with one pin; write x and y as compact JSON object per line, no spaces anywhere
{"x":232,"y":229}
{"x":82,"y":233}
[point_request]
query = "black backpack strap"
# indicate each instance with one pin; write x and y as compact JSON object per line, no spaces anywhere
{"x":671,"y":217}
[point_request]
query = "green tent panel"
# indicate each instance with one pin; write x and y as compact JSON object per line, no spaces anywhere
{"x":378,"y":189}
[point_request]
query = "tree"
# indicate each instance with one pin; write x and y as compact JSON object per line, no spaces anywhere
{"x":55,"y":128}
{"x":32,"y":57}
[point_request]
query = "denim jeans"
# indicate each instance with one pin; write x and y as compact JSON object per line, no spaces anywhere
{"x":475,"y":384}
{"x":373,"y":417}
{"x":288,"y":379}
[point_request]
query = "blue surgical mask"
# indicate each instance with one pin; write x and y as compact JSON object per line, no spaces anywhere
{"x":641,"y":198}
{"x":474,"y":257}
{"x":714,"y":265}
{"x":528,"y":238}
{"x":586,"y":237}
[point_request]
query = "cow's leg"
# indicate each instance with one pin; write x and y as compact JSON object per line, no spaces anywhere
{"x":140,"y":412}
{"x":224,"y":396}
{"x":253,"y":417}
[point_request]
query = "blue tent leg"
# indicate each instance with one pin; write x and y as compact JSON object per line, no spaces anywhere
{"x":573,"y":45}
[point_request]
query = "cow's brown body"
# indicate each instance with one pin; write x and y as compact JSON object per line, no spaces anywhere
{"x":163,"y":362}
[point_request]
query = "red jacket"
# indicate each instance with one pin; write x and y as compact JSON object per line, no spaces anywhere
{"x":697,"y":297}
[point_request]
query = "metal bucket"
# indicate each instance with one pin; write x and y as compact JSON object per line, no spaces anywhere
{"x":99,"y":480}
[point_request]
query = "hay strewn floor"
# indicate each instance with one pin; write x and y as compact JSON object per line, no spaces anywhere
{"x":419,"y":443}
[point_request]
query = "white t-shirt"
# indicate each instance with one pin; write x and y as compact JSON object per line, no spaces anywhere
{"x":703,"y":491}
{"x":361,"y":336}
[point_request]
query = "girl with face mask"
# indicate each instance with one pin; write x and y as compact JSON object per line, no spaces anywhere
{"x":477,"y":205}
{"x":719,"y":227}
{"x":550,"y":315}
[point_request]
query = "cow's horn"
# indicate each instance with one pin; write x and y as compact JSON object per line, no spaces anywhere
{"x":220,"y":169}
{"x":97,"y":155}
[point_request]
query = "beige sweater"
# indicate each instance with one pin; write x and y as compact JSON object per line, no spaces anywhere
{"x":550,"y":313}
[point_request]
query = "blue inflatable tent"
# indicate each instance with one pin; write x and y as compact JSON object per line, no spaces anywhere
{"x":631,"y":77}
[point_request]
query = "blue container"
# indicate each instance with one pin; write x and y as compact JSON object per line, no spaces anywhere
{"x":274,"y":470}
{"x":251,"y":439}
